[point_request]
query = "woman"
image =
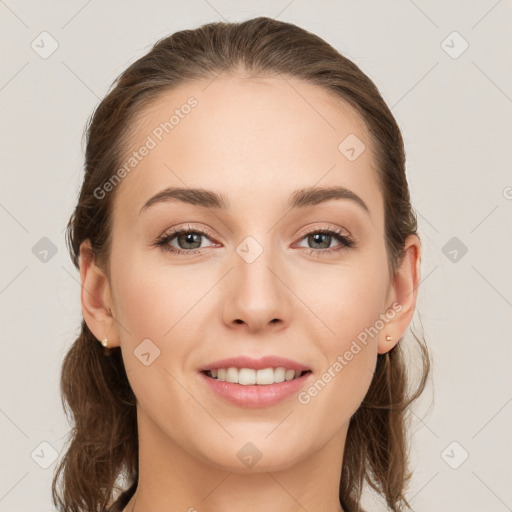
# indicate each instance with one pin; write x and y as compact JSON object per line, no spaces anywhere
{"x":250,"y":263}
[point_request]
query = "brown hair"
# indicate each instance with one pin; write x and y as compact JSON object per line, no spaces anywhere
{"x":96,"y":392}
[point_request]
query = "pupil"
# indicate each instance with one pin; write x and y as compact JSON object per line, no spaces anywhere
{"x":189,"y":238}
{"x":318,"y":235}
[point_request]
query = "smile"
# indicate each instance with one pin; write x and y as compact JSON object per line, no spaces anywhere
{"x":250,"y":376}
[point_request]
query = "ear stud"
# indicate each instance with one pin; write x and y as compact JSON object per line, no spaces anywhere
{"x":389,"y":338}
{"x":105,"y":342}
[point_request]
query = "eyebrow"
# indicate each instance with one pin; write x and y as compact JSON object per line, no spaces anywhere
{"x":300,"y":198}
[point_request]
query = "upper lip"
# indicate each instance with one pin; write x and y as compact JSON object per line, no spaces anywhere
{"x":256,"y":364}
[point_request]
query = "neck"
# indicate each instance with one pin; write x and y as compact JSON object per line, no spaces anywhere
{"x":170,"y":478}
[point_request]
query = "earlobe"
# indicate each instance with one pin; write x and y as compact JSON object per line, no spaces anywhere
{"x":386,"y":345}
{"x":402,"y":296}
{"x":95,"y":297}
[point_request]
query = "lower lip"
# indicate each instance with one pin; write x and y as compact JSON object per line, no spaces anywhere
{"x":256,"y":396}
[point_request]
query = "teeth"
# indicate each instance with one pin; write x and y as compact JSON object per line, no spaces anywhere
{"x":248,"y":376}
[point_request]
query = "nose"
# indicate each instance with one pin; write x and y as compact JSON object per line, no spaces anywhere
{"x":255,"y":294}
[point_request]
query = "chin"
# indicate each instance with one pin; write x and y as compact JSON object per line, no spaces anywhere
{"x":252,"y":457}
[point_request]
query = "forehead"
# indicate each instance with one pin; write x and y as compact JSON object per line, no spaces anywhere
{"x":248,"y":136}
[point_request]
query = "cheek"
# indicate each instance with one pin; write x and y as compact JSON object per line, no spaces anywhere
{"x":349,"y":301}
{"x":157,"y":303}
{"x":346,"y":298}
{"x":153,"y":300}
{"x":350,"y":306}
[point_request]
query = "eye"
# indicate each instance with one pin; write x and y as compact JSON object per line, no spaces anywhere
{"x":320,"y":241}
{"x":188,"y":240}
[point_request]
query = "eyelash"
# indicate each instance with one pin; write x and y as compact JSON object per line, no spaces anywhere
{"x":345,"y":242}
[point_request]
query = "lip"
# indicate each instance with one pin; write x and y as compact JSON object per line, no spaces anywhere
{"x":256,"y":364}
{"x":255,"y":396}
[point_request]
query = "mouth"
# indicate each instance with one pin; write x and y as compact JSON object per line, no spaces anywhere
{"x":253,"y":377}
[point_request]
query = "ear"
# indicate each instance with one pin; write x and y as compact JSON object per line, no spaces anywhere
{"x":96,"y":297}
{"x":402,"y":295}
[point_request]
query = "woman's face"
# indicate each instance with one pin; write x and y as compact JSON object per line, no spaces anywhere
{"x":264,"y":280}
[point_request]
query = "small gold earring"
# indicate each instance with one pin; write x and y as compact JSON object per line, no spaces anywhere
{"x":389,"y":338}
{"x":105,"y":342}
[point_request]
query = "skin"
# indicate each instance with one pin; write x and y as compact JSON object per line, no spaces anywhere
{"x":255,"y":141}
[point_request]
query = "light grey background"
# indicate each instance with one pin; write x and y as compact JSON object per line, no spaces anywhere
{"x":455,"y":114}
